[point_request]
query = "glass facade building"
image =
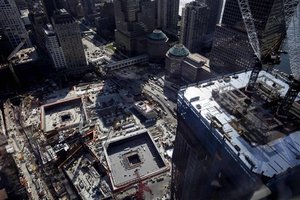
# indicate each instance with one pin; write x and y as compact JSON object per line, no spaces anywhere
{"x":268,"y":17}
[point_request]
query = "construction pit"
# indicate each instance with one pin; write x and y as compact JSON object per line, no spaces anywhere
{"x":133,"y":158}
{"x":62,"y":115}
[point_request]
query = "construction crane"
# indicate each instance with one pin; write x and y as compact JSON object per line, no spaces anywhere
{"x":141,"y":187}
{"x":9,"y":59}
{"x":289,"y":9}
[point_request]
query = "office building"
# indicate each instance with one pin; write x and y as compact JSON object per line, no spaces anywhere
{"x":12,"y":24}
{"x":4,"y":50}
{"x":157,"y":46}
{"x":53,"y":48}
{"x":215,"y":7}
{"x":194,"y":26}
{"x":134,"y":21}
{"x":167,"y":16}
{"x":230,"y":145}
{"x":89,"y":7}
{"x":39,"y":19}
{"x":75,"y":7}
{"x":195,"y":68}
{"x":174,"y":59}
{"x":50,"y":6}
{"x":69,"y":38}
{"x":231,"y":50}
{"x":105,"y":20}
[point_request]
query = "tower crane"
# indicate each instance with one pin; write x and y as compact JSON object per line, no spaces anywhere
{"x":289,"y":9}
{"x":141,"y":187}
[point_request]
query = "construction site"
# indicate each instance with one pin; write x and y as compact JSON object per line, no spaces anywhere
{"x":238,"y":135}
{"x":251,"y":138}
{"x":132,"y":154}
{"x":73,"y":143}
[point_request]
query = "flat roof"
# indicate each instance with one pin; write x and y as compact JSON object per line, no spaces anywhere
{"x":269,"y":159}
{"x":143,"y":106}
{"x":25,"y":56}
{"x":126,"y":155}
{"x":62,"y":114}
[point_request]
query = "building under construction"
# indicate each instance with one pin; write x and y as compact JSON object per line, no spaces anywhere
{"x":234,"y":144}
{"x":133,"y":158}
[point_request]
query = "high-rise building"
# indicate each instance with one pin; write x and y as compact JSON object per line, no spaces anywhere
{"x":75,"y":8}
{"x":89,"y":6}
{"x":194,"y":25}
{"x":173,"y":62}
{"x":54,"y":49}
{"x":195,"y":68}
{"x":69,"y":38}
{"x":215,"y":7}
{"x":50,"y":6}
{"x":157,"y":46}
{"x":230,"y":145}
{"x":167,"y":16}
{"x":105,"y":20}
{"x":231,"y":50}
{"x":39,"y":19}
{"x":12,"y":24}
{"x":4,"y":50}
{"x":134,"y":21}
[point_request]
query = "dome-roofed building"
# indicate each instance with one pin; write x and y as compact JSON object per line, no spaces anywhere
{"x":174,"y":58}
{"x":179,"y":50}
{"x":157,"y":46}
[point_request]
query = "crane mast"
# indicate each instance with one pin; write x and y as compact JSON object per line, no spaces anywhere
{"x":289,"y":10}
{"x":253,"y":40}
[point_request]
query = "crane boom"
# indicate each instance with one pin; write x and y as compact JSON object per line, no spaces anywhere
{"x":250,"y":27}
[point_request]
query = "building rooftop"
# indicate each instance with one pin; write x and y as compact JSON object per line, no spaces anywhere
{"x":131,"y":153}
{"x":143,"y":106}
{"x":25,"y":56}
{"x":198,"y":58}
{"x":62,"y":114}
{"x":178,"y":50}
{"x":157,"y":35}
{"x":264,"y":143}
{"x":62,"y":16}
{"x":49,"y":30}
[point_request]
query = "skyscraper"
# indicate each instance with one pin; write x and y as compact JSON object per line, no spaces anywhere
{"x":194,"y":25}
{"x":215,"y":7}
{"x":11,"y":23}
{"x":53,"y":47}
{"x":173,"y":62}
{"x":231,"y":50}
{"x":134,"y":21}
{"x":50,"y":6}
{"x":69,"y":37}
{"x":167,"y":14}
{"x":232,"y":146}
